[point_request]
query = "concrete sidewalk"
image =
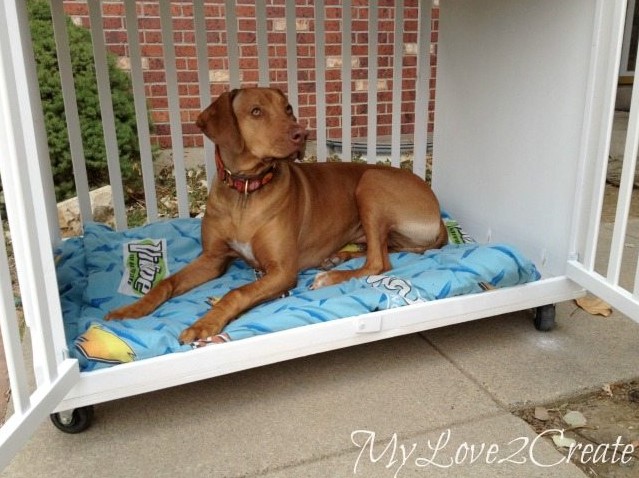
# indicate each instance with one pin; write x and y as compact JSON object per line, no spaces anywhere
{"x":334,"y":414}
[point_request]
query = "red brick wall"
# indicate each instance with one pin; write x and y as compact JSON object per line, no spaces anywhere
{"x":184,"y":38}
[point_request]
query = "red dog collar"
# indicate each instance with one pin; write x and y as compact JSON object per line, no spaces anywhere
{"x":240,"y":182}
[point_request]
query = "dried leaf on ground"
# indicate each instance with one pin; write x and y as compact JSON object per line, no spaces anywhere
{"x":562,"y":441}
{"x":594,"y":305}
{"x":542,"y":414}
{"x":575,"y":419}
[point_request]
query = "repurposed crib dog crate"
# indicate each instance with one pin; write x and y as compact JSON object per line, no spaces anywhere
{"x":524,"y":104}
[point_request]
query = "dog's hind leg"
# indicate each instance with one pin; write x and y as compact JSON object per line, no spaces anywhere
{"x":407,"y":218}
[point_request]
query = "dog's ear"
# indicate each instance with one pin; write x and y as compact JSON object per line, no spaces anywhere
{"x":219,"y":123}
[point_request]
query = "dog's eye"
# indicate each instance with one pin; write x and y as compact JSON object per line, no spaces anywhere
{"x":256,"y":111}
{"x":289,"y":110}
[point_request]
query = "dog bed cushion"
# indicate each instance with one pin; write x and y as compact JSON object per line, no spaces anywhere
{"x":105,"y":269}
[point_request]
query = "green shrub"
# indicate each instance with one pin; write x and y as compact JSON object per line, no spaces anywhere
{"x":88,"y":106}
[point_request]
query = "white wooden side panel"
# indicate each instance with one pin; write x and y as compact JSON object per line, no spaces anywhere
{"x":24,"y":152}
{"x":509,"y":115}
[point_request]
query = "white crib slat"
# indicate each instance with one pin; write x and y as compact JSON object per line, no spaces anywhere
{"x":320,"y":80}
{"x":583,"y":217}
{"x":175,"y":119}
{"x":201,"y":46}
{"x":106,"y":111}
{"x":232,"y":43}
{"x":71,"y":110}
{"x":625,"y":189}
{"x":141,"y":112}
{"x":11,"y":337}
{"x":291,"y":55}
{"x":604,"y":134}
{"x":371,"y":147}
{"x":398,"y":50}
{"x":262,"y":42}
{"x":347,"y":131}
{"x":24,"y":152}
{"x":422,"y":88}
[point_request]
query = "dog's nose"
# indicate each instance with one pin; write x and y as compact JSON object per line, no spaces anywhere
{"x":297,"y":135}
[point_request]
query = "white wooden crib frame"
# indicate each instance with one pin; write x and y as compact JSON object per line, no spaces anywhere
{"x":525,"y":101}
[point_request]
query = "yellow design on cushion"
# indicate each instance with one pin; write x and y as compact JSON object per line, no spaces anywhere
{"x":102,"y":345}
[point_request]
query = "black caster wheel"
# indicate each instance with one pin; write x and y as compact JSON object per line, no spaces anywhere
{"x":73,"y":421}
{"x":545,"y":318}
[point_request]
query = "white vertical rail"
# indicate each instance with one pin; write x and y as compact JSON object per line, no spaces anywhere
{"x":610,"y":72}
{"x":262,"y":42}
{"x":625,"y":188}
{"x":398,"y":50}
{"x":72,"y":117}
{"x":371,"y":147}
{"x":232,"y":44}
{"x":320,"y":80}
{"x":422,"y":88}
{"x":11,"y":336}
{"x":175,"y":118}
{"x":201,"y":47}
{"x":291,"y":55}
{"x":106,"y":111}
{"x":347,"y":132}
{"x":24,"y":151}
{"x":141,"y":112}
{"x":587,"y":149}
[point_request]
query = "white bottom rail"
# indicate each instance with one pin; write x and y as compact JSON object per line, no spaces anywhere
{"x":617,"y":296}
{"x":20,"y":426}
{"x":175,"y":369}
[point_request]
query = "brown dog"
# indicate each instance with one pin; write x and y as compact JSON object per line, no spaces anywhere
{"x":282,"y":217}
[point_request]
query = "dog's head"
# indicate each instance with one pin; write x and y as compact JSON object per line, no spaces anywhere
{"x":253,"y":126}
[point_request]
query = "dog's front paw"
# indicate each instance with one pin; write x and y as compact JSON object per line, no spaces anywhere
{"x":200,"y":330}
{"x":127,"y":312}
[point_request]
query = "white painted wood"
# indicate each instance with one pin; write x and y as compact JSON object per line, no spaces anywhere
{"x":422,"y":88}
{"x":71,"y":110}
{"x":320,"y":81}
{"x":201,"y":45}
{"x":398,"y":58}
{"x":175,"y":117}
{"x":21,"y":169}
{"x":232,"y":44}
{"x":17,"y":430}
{"x":610,"y":64}
{"x":175,"y":369}
{"x":523,"y":110}
{"x":141,"y":112}
{"x":106,"y":112}
{"x":262,"y":43}
{"x":509,"y":119}
{"x":11,"y":336}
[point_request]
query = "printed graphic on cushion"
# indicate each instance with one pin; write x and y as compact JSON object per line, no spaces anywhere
{"x":104,"y":346}
{"x":399,"y":291}
{"x":145,"y":263}
{"x":456,"y":235}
